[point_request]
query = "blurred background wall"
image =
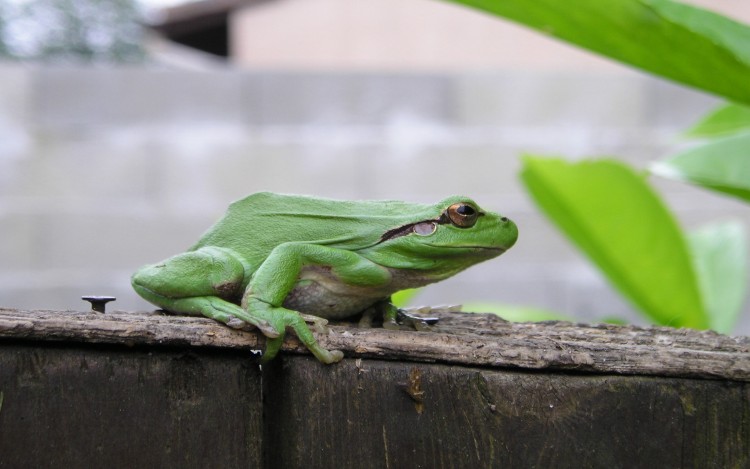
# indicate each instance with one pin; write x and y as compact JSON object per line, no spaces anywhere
{"x":107,"y":165}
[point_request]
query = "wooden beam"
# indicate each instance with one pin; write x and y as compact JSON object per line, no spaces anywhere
{"x":470,"y":339}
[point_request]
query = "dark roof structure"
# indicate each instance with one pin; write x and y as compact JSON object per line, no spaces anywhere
{"x":202,"y":25}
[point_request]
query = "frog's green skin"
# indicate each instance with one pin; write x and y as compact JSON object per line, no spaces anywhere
{"x":272,"y":257}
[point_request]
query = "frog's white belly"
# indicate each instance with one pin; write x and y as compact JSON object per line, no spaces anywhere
{"x":320,"y":293}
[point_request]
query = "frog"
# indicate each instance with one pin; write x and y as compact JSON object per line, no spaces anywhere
{"x":279,"y":262}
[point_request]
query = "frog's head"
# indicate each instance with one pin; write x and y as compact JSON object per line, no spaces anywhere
{"x":453,"y":234}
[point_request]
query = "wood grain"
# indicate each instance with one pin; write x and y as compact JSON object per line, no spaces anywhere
{"x":460,"y":338}
{"x":363,"y":414}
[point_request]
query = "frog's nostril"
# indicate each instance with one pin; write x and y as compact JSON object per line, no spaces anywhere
{"x":504,"y":219}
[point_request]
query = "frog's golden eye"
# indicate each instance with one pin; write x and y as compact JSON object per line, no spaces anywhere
{"x":462,"y":215}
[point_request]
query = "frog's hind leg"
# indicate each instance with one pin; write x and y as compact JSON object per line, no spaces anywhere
{"x":205,"y":282}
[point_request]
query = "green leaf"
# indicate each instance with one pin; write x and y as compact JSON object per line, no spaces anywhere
{"x":616,"y":218}
{"x":720,"y":254}
{"x":402,"y":298}
{"x":727,"y":119}
{"x":681,"y":42}
{"x":722,"y":165}
{"x":514,"y":313}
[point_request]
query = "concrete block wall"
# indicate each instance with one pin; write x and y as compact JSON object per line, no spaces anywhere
{"x":103,"y":170}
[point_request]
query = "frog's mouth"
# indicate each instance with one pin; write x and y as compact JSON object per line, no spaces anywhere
{"x":470,"y":247}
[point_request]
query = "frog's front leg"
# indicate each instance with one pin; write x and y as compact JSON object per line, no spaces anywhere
{"x":277,"y":276}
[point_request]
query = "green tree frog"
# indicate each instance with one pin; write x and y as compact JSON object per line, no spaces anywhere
{"x":279,"y":261}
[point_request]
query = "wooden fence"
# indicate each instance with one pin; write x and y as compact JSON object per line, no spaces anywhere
{"x":145,"y":390}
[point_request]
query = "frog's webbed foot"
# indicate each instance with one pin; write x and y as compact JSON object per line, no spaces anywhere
{"x":280,"y":319}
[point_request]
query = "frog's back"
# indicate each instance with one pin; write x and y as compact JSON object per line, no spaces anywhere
{"x":253,"y":226}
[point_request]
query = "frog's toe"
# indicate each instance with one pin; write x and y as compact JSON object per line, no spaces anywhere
{"x":318,"y":324}
{"x":240,"y":325}
{"x":268,"y":330}
{"x":333,"y":356}
{"x":237,"y":318}
{"x":251,"y":323}
{"x":272,"y":349}
{"x":314,"y":319}
{"x":235,"y":323}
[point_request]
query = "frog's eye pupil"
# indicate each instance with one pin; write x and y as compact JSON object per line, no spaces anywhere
{"x":462,"y":215}
{"x":465,"y":210}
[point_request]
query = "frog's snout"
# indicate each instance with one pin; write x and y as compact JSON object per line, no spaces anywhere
{"x":510,"y":232}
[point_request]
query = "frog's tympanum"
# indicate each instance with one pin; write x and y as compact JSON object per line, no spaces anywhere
{"x":278,"y":261}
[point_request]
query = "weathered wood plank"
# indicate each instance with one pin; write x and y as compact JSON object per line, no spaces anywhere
{"x":187,"y":396}
{"x":377,"y":414}
{"x":468,"y":339}
{"x":80,"y":406}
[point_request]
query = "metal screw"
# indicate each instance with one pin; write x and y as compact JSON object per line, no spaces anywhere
{"x":98,"y":303}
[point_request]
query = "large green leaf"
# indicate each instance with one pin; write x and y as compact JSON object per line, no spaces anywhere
{"x":403,"y":298}
{"x":514,"y":313}
{"x":687,"y":44}
{"x":616,"y":218}
{"x":727,"y":119}
{"x":720,"y":254}
{"x":722,"y":165}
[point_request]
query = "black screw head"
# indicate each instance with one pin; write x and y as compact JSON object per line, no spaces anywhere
{"x":98,"y":303}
